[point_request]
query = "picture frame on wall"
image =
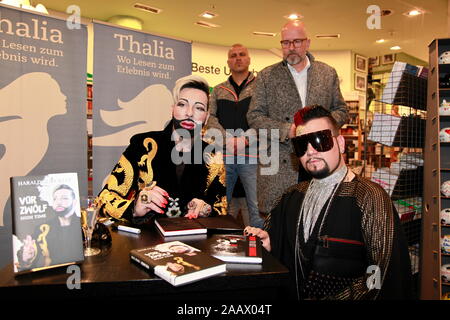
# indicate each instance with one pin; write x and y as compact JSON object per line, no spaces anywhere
{"x":388,"y":58}
{"x":360,"y":82}
{"x":360,"y":63}
{"x":374,"y":61}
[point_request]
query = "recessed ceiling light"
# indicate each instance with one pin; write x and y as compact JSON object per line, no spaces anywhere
{"x":293,"y":16}
{"x":147,"y":8}
{"x":267,"y":34}
{"x":380,"y":41}
{"x":127,"y":21}
{"x":413,"y":13}
{"x":208,"y":15}
{"x":395,"y":48}
{"x":206,"y":24}
{"x":328,"y":36}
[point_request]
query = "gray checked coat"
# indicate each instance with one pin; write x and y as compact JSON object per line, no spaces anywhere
{"x":274,"y":103}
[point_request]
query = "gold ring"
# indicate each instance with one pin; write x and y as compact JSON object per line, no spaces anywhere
{"x":145,"y":198}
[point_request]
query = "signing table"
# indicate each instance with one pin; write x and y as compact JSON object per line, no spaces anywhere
{"x":112,"y":274}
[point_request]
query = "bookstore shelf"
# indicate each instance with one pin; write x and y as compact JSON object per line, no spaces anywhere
{"x":436,"y":232}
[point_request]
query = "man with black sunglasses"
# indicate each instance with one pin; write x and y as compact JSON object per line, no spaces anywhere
{"x":280,"y":90}
{"x":338,"y":234}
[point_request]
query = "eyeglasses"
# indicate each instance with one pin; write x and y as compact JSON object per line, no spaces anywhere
{"x":322,"y":141}
{"x":297,"y":43}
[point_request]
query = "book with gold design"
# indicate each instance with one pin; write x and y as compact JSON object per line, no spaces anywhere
{"x":46,"y":221}
{"x":177,"y":262}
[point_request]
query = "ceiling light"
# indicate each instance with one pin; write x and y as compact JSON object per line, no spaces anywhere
{"x":267,"y":34}
{"x":41,"y":8}
{"x":208,"y":15}
{"x":293,"y":16}
{"x":395,"y":48}
{"x":413,"y":13}
{"x":147,"y":8}
{"x":386,"y":12}
{"x":380,"y":41}
{"x":206,"y":24}
{"x":16,"y":3}
{"x":127,"y":21}
{"x":328,"y":36}
{"x":25,"y":4}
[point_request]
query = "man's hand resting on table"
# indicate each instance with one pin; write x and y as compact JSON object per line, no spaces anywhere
{"x":263,"y":235}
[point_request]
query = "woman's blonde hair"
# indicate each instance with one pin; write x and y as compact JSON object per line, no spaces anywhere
{"x":191,"y":81}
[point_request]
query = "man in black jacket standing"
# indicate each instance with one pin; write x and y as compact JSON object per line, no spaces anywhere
{"x":229,"y":104}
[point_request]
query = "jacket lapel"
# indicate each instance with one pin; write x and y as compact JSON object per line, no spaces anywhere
{"x":290,"y":83}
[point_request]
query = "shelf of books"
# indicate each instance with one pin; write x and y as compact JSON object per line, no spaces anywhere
{"x":436,"y":231}
{"x":393,"y":147}
{"x":353,"y":133}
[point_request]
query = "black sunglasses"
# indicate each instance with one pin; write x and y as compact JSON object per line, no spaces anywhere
{"x":322,"y":141}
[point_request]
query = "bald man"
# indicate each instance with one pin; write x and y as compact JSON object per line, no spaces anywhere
{"x":280,"y":91}
{"x":228,"y":107}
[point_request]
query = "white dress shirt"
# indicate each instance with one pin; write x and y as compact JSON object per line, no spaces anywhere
{"x":301,"y":80}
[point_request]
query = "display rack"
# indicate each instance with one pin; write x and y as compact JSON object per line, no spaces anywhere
{"x":437,"y":172}
{"x":393,"y":148}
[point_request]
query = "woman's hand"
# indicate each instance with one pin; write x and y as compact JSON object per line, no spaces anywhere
{"x":198,"y":208}
{"x":150,"y":199}
{"x":263,"y":235}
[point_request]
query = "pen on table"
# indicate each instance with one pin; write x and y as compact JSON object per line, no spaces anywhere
{"x":129,"y":229}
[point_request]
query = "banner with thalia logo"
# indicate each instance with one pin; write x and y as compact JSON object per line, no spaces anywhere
{"x":42,"y":100}
{"x":42,"y":105}
{"x":134,"y":74}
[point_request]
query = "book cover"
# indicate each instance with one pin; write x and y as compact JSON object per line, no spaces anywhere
{"x":177,"y":262}
{"x":235,"y":248}
{"x":223,"y":224}
{"x":179,"y":226}
{"x":384,"y":128}
{"x":46,"y":221}
{"x":183,"y":226}
{"x":395,"y":77}
{"x":406,"y":81}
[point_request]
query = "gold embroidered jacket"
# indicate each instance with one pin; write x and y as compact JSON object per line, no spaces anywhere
{"x":149,"y":158}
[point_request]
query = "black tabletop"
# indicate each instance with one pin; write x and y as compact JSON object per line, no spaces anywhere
{"x":113,"y":274}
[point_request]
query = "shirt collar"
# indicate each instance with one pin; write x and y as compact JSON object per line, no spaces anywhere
{"x":238,"y":88}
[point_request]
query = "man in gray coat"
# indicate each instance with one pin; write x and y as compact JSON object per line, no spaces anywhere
{"x":280,"y":91}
